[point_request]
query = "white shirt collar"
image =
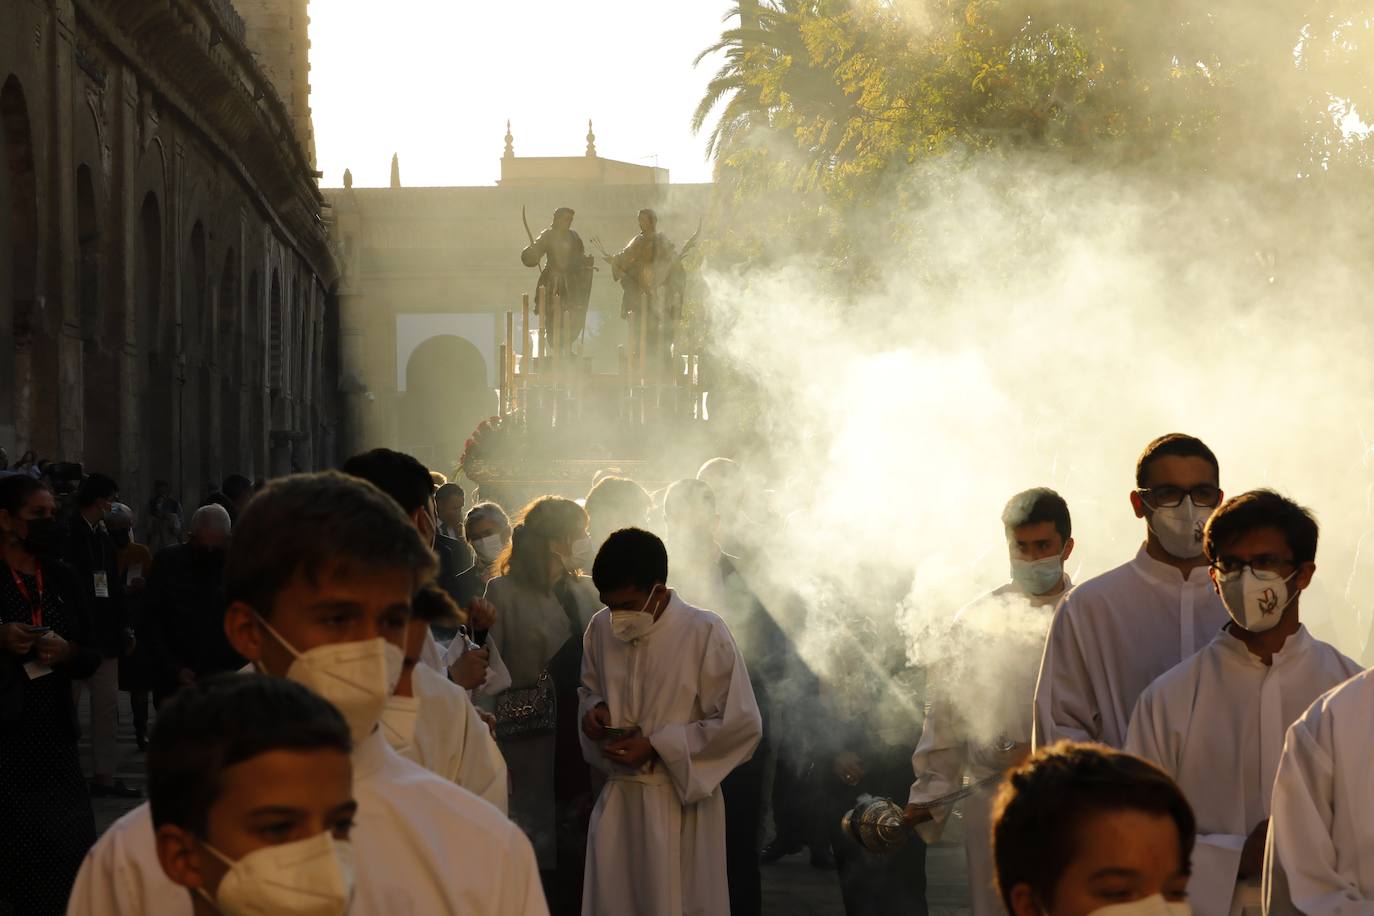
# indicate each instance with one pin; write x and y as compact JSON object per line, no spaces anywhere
{"x":1165,"y":574}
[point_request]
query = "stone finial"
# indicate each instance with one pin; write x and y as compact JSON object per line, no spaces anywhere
{"x":395,"y":170}
{"x":510,"y":142}
{"x":348,"y":179}
{"x":591,"y":140}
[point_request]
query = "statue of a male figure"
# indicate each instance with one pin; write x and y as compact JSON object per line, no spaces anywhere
{"x":567,"y":273}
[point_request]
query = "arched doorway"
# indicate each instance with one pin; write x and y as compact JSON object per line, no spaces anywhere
{"x":18,"y":246}
{"x":230,"y":362}
{"x":101,"y":336}
{"x":253,"y":359}
{"x":28,"y":356}
{"x":157,"y":398}
{"x":446,"y":397}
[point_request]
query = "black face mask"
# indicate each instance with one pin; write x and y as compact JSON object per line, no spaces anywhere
{"x":44,"y":539}
{"x":207,"y":556}
{"x":121,"y":538}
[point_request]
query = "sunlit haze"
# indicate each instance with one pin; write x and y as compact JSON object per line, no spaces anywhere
{"x":435,"y":81}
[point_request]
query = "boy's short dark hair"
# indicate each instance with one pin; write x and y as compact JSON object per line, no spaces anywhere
{"x":1042,"y":803}
{"x":224,"y":720}
{"x":1262,"y":509}
{"x":95,"y":487}
{"x":1176,"y":444}
{"x":236,"y":485}
{"x":397,"y":474}
{"x":617,"y":498}
{"x":447,"y":492}
{"x":630,"y":556}
{"x":308,"y":522}
{"x":1040,"y":504}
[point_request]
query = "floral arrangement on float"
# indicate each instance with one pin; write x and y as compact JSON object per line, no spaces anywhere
{"x":491,"y":450}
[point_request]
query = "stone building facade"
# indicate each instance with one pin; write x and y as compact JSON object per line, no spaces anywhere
{"x":428,"y":275}
{"x":166,"y":307}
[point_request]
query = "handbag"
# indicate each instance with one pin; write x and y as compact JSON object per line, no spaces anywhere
{"x":527,"y":711}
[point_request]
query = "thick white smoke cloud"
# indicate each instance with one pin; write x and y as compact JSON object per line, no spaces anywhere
{"x":1048,"y":320}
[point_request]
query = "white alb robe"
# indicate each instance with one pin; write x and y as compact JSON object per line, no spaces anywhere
{"x":421,"y":846}
{"x":1215,"y":723}
{"x":949,"y":750}
{"x":1111,"y":637}
{"x":451,"y":740}
{"x":1320,"y":856}
{"x":656,"y":846}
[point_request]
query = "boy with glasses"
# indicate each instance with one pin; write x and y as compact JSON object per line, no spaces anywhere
{"x":1215,"y":722}
{"x":1116,"y":633}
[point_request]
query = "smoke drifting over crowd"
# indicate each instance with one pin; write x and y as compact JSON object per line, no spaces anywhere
{"x":1047,"y":312}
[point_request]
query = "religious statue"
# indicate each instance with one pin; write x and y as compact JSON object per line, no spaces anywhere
{"x":566,"y":276}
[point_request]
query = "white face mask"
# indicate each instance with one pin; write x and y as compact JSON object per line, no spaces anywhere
{"x":1146,"y":906}
{"x":1252,"y":602}
{"x":582,"y":556}
{"x":356,"y":677}
{"x":1179,"y":528}
{"x":488,"y":548}
{"x":398,"y":724}
{"x":311,"y":877}
{"x":1035,"y":577}
{"x":627,"y":626}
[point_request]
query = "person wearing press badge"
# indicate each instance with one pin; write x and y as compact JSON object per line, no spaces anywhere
{"x":46,"y":824}
{"x":87,"y":548}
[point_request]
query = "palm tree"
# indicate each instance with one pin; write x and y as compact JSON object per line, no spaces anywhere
{"x":767,"y":67}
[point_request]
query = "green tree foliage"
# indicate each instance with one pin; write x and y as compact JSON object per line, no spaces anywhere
{"x":822,"y":104}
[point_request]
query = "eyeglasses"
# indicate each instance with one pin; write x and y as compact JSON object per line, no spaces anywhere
{"x":1204,"y":496}
{"x":1265,"y":568}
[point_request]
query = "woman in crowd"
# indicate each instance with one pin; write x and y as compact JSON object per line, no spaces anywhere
{"x":545,"y":605}
{"x":487,"y":530}
{"x":46,"y":824}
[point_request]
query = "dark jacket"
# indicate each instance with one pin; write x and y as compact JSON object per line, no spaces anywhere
{"x":457,"y":575}
{"x":88,"y":551}
{"x":183,"y":616}
{"x":60,"y":580}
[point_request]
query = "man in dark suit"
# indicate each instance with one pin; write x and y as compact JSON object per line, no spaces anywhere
{"x":87,"y":547}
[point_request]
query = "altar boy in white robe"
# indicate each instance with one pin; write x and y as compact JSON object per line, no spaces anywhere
{"x":1215,"y":722}
{"x":981,"y":726}
{"x":667,"y":713}
{"x":1115,"y":633}
{"x":1320,"y":855}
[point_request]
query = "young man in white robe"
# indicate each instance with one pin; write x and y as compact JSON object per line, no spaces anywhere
{"x":979,"y":724}
{"x":428,"y":719}
{"x":1215,"y":722}
{"x":1320,"y":854}
{"x":432,"y":721}
{"x":1114,"y":634}
{"x":320,"y":582}
{"x":667,"y":713}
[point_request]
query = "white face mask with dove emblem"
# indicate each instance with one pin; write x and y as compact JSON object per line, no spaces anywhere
{"x":1252,"y":599}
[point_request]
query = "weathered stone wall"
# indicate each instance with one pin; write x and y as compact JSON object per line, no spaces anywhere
{"x":165,"y":275}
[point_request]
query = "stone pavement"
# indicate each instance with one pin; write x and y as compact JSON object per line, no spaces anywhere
{"x":790,"y":887}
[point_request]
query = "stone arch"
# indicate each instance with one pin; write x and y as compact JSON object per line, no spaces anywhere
{"x":101,"y":338}
{"x":230,"y":355}
{"x":18,"y":248}
{"x":156,"y":379}
{"x":446,"y":397}
{"x":195,"y":303}
{"x":255,"y":320}
{"x":276,"y":326}
{"x":31,"y":357}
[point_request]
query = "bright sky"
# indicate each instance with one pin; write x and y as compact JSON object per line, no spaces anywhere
{"x":435,"y":81}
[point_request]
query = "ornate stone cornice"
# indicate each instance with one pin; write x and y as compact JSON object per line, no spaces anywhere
{"x":193,"y":53}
